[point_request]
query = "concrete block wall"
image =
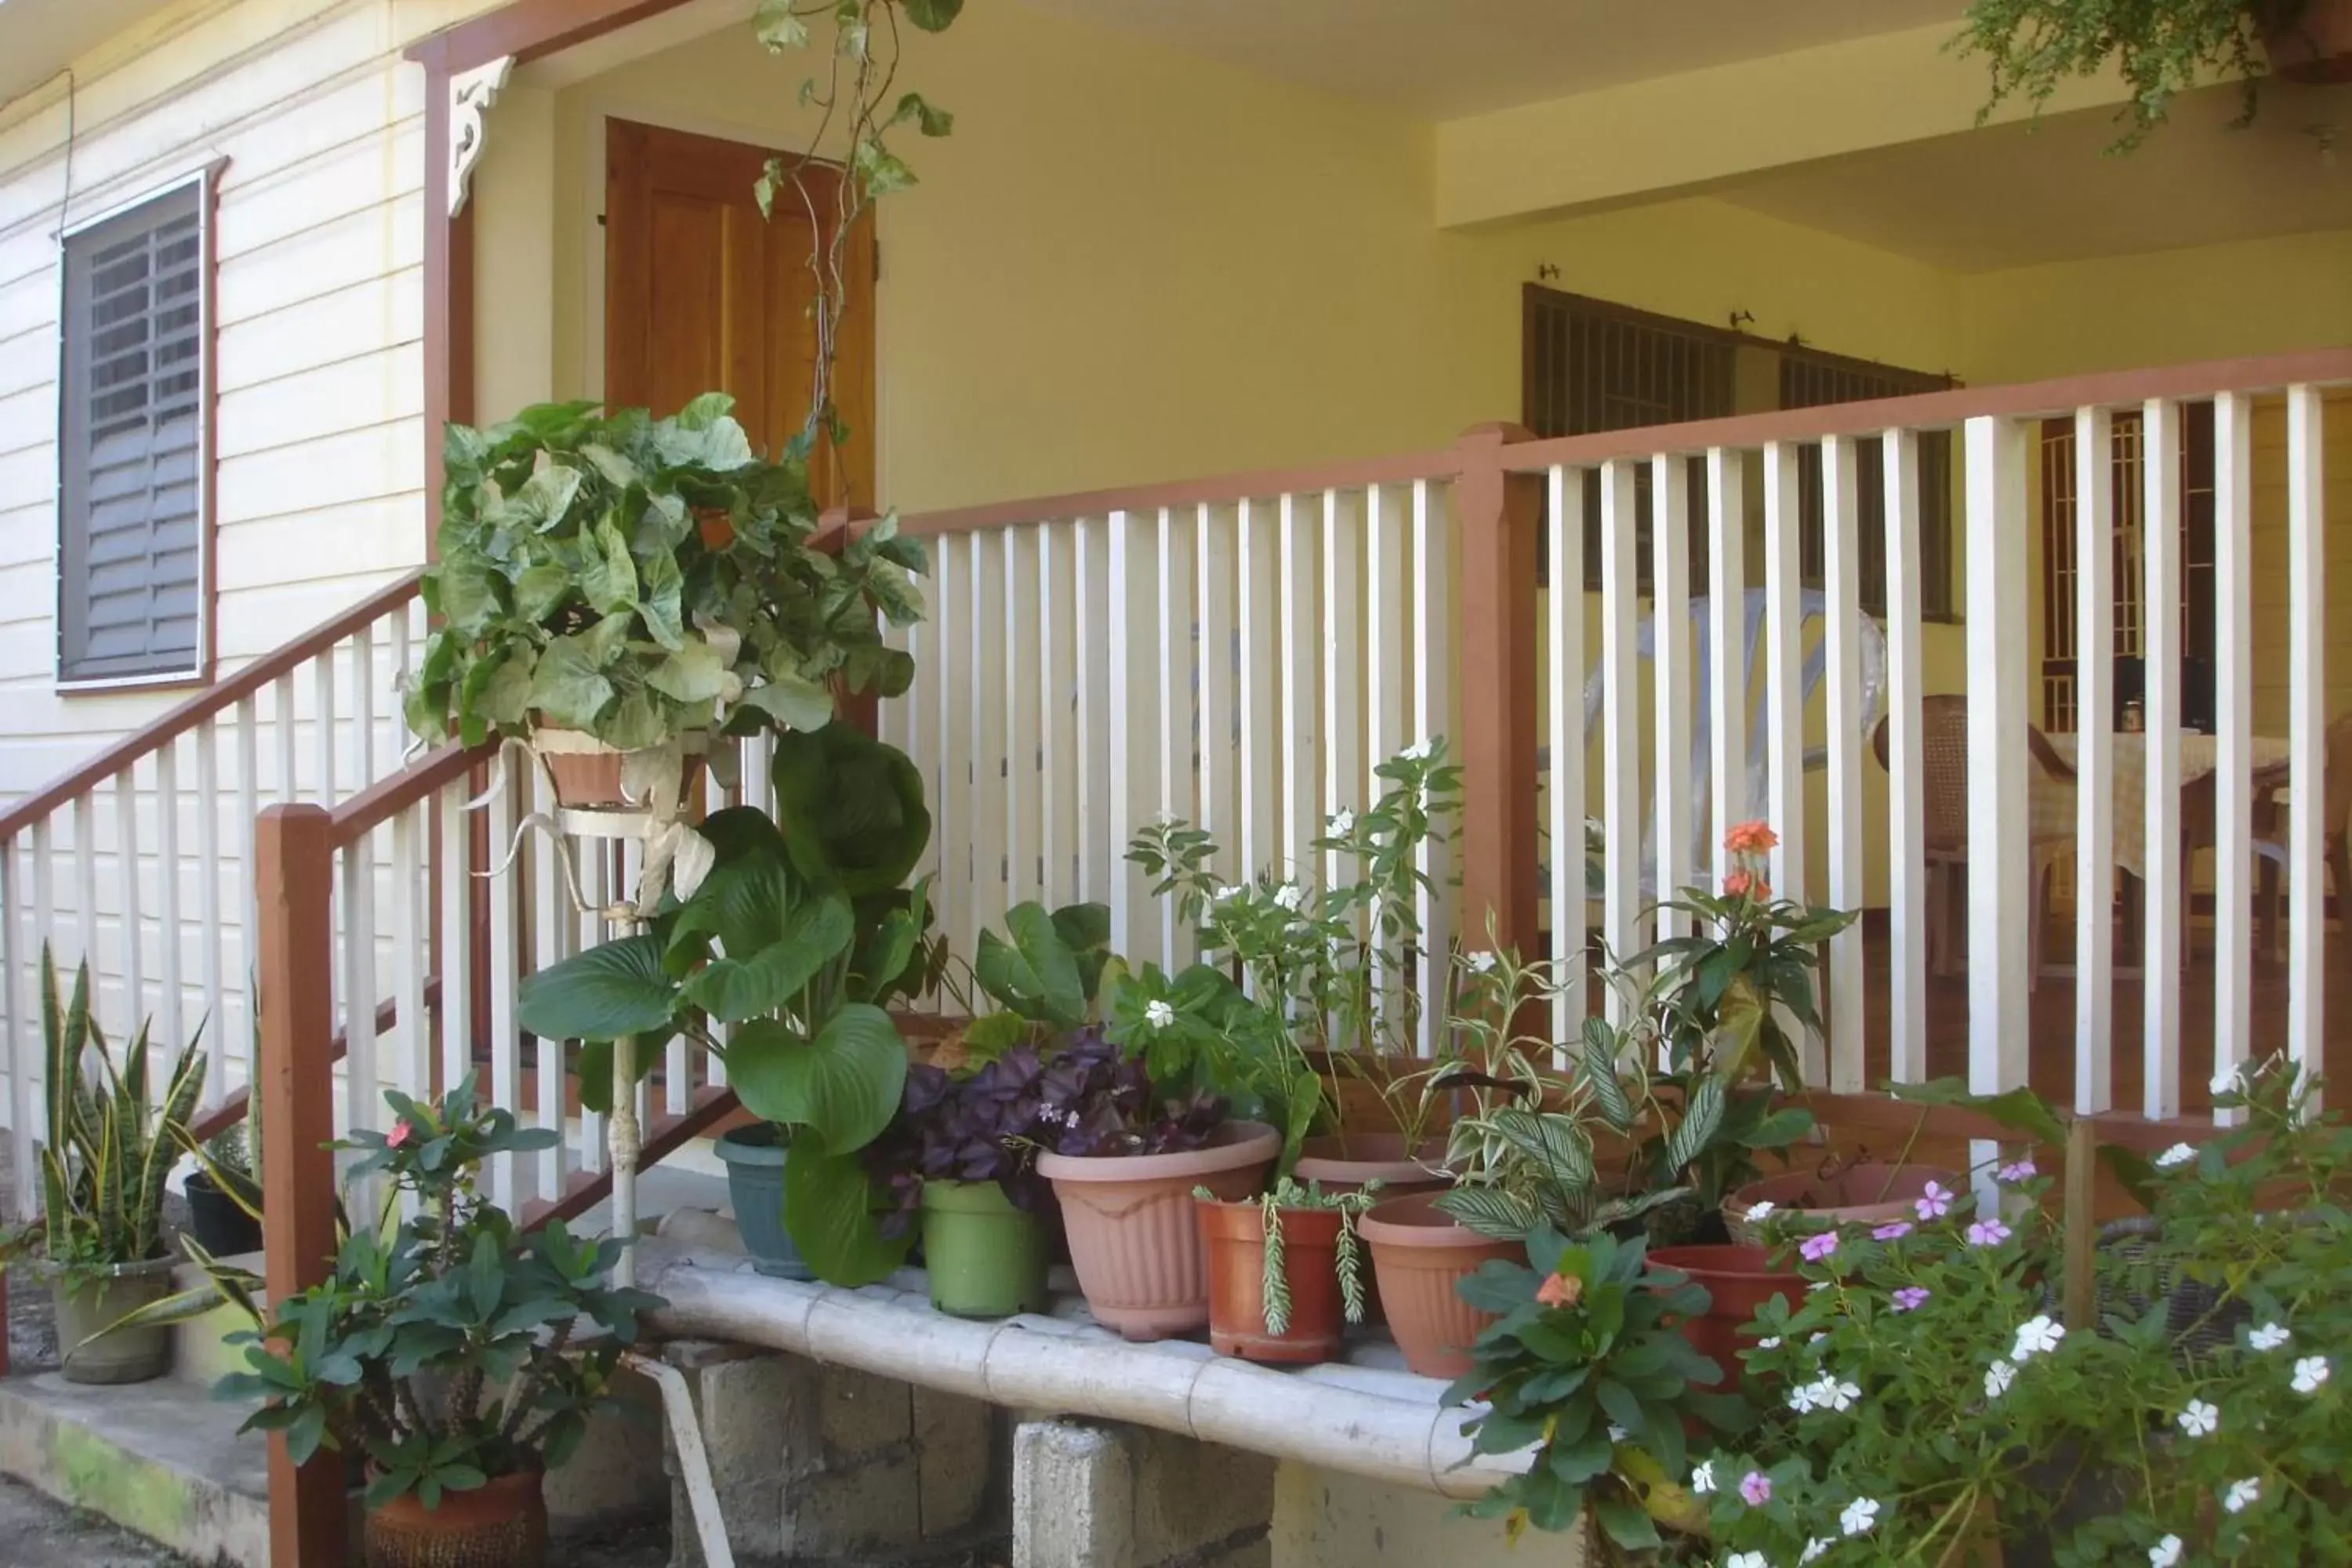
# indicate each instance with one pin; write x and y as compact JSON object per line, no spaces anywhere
{"x":817,"y":1462}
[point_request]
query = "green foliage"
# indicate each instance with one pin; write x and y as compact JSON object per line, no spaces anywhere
{"x":110,"y":1141}
{"x":1922,"y":1380}
{"x":444,"y":1355}
{"x":1583,"y":1365}
{"x":2160,"y":47}
{"x":1051,"y":968}
{"x":576,"y":587}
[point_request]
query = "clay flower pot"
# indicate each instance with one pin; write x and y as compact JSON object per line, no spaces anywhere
{"x":2315,"y":46}
{"x":1860,"y":1194}
{"x":501,"y":1525}
{"x":1345,"y":1163}
{"x":1232,"y":1234}
{"x":587,"y":772}
{"x":1738,"y":1279}
{"x":1133,"y":1239}
{"x":1418,"y":1255}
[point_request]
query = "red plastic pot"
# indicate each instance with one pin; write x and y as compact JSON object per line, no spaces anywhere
{"x":1232,"y":1234}
{"x":1738,"y":1279}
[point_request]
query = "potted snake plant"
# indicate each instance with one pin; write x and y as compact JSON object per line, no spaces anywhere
{"x":109,"y":1149}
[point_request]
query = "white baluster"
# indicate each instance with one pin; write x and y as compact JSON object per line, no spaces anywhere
{"x":1213,"y":575}
{"x":551,"y":935}
{"x":126,"y":871}
{"x":1906,"y":786}
{"x":2163,"y":941}
{"x":2094,"y":706}
{"x":1387,"y":647}
{"x":2234,"y":751}
{"x":1620,"y":723}
{"x":1841,"y":658}
{"x":248,"y":811}
{"x":1564,"y":650}
{"x":412,"y":921}
{"x":1727,"y":615}
{"x":23,"y":1046}
{"x":1342,"y":657}
{"x":1016,"y":680}
{"x":954,"y":744}
{"x":1057,"y":843}
{"x":1670,"y":668}
{"x":456,"y":949}
{"x":510,"y":800}
{"x":2308,"y":824}
{"x":984,"y":714}
{"x":208,"y":865}
{"x":361,"y":1075}
{"x":1431,"y":678}
{"x":1099,"y":865}
{"x":324,"y":718}
{"x":1301,"y":745}
{"x":1176,"y":682}
{"x":364,"y":708}
{"x":1261,"y":732}
{"x":1134,"y":631}
{"x":1784,"y":697}
{"x":171,"y":1023}
{"x":85,"y":834}
{"x":2000,"y":1021}
{"x":594,"y":857}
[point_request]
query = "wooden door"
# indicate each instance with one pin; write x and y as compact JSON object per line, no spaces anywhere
{"x":703,"y":294}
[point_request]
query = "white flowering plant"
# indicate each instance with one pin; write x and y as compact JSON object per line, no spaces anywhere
{"x":1925,"y":1404}
{"x":1289,"y":966}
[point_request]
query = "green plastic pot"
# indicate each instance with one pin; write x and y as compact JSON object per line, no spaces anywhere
{"x":755,"y":1184}
{"x":986,"y":1259}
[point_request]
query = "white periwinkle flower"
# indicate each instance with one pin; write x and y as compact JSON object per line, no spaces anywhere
{"x":1419,"y":751}
{"x":2179,"y":1154}
{"x":2036,"y":1336}
{"x":1758,"y":1210}
{"x":1745,"y":1560}
{"x":1829,"y":1394}
{"x":1159,"y":1015}
{"x":2269,"y":1337}
{"x":2200,"y":1419}
{"x":2165,"y":1553}
{"x":1998,"y":1377}
{"x":1227,"y":894}
{"x":1342,"y":823}
{"x":1702,"y":1478}
{"x":2241,"y":1493}
{"x":1813,"y":1548}
{"x":2309,"y":1374}
{"x":2226,"y":1080}
{"x":1800,"y":1398}
{"x":1859,"y":1517}
{"x":1768,"y":1342}
{"x":1289,"y":896}
{"x":1481,"y":963}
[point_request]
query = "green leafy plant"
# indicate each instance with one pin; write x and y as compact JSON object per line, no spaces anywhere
{"x":110,"y":1138}
{"x":1287,"y":971}
{"x":1583,"y":1366}
{"x":450,"y":1354}
{"x":801,"y":936}
{"x":640,"y":578}
{"x":2160,"y":47}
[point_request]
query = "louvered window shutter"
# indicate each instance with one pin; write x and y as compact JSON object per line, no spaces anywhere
{"x":131,"y":522}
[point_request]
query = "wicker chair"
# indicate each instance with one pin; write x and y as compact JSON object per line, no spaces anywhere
{"x":1944,"y":789}
{"x":2270,"y":827}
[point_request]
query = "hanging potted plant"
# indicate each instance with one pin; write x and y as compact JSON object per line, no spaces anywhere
{"x":110,"y":1147}
{"x":1287,"y":1271}
{"x":445,"y":1351}
{"x":2161,"y":48}
{"x":960,"y":1163}
{"x":591,"y":606}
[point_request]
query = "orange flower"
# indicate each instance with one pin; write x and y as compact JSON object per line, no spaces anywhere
{"x":1741,"y":884}
{"x":1750,"y":838}
{"x":1560,"y":1291}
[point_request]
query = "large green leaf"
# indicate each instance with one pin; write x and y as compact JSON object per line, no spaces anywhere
{"x":933,"y":15}
{"x":1085,"y":930}
{"x":1034,"y":974}
{"x":794,"y":702}
{"x":466,"y":590}
{"x":618,"y":989}
{"x":609,"y":574}
{"x":544,"y":499}
{"x":851,"y":808}
{"x":693,"y":673}
{"x":845,"y":1084}
{"x":566,"y":685}
{"x":733,"y":989}
{"x":832,"y":1212}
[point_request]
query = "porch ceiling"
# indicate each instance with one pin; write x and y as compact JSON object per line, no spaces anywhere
{"x":1466,"y":57}
{"x":2023,"y":194}
{"x":40,"y":37}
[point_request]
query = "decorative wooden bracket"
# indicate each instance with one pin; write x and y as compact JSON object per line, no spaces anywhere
{"x":471,"y":93}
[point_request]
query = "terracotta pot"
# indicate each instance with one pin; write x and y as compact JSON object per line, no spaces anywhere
{"x":501,"y":1525}
{"x":1344,"y":1162}
{"x":2315,"y":47}
{"x":1738,"y":1279}
{"x":1860,"y":1194}
{"x":715,"y":527}
{"x":1133,"y":1239}
{"x":1418,"y":1254}
{"x":587,"y":773}
{"x":1233,"y":1237}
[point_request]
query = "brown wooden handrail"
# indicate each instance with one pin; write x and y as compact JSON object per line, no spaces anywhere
{"x":213,"y":699}
{"x":234,"y":1108}
{"x":1943,"y":410}
{"x":420,"y":781}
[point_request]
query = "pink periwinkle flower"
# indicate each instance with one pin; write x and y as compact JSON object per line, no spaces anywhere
{"x":1910,"y":1297}
{"x":1935,"y":1203}
{"x":1894,"y":1230}
{"x":1988,"y":1233}
{"x":2018,"y":1171}
{"x":1756,"y":1488}
{"x":1814,"y":1248}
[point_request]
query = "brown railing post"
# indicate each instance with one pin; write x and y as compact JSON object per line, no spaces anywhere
{"x":1498,"y":513}
{"x":294,"y":862}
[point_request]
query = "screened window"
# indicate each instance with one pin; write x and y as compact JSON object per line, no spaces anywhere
{"x":132,"y":443}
